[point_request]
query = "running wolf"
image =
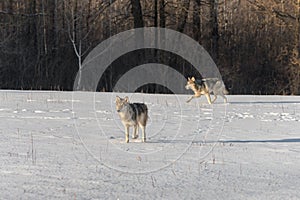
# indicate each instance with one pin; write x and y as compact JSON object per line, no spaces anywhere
{"x":205,"y":87}
{"x":132,"y":114}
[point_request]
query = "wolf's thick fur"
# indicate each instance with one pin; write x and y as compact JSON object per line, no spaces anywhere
{"x":205,"y":87}
{"x":132,"y":114}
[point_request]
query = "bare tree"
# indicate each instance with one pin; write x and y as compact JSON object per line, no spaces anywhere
{"x":214,"y":29}
{"x":136,"y":10}
{"x":197,"y":20}
{"x":184,"y":15}
{"x":77,"y":35}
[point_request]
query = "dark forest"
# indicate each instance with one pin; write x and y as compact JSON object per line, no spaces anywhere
{"x":255,"y":43}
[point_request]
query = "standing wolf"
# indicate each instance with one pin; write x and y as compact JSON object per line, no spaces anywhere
{"x":205,"y":87}
{"x":132,"y":114}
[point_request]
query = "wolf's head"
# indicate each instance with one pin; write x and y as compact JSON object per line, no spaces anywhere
{"x":121,"y":102}
{"x":190,"y":83}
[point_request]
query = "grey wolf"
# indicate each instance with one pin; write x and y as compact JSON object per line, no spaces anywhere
{"x":132,"y":114}
{"x":205,"y":87}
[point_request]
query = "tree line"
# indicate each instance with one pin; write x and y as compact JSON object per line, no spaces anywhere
{"x":255,"y":43}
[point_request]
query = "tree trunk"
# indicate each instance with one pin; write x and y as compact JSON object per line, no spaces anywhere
{"x":298,"y":31}
{"x":162,"y":16}
{"x":185,"y":8}
{"x":136,"y":10}
{"x":162,"y":24}
{"x":197,"y":21}
{"x":215,"y":29}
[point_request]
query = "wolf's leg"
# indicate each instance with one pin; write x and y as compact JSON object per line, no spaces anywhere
{"x":144,"y":133}
{"x":208,"y":98}
{"x":225,"y":99}
{"x":190,"y":99}
{"x":126,"y":134}
{"x":215,"y":98}
{"x":135,"y":132}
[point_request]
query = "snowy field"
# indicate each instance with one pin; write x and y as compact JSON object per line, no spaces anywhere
{"x":65,"y":145}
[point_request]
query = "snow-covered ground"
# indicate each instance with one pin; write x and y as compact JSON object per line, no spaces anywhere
{"x":65,"y":145}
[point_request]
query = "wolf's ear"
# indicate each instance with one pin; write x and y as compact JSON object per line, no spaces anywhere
{"x":126,"y":99}
{"x":193,"y":79}
{"x":118,"y":98}
{"x":189,"y":78}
